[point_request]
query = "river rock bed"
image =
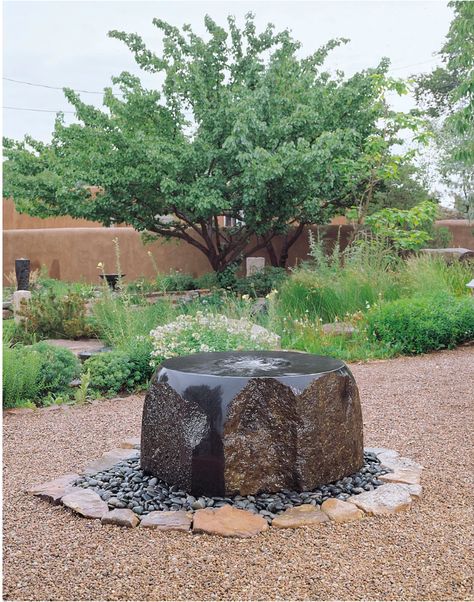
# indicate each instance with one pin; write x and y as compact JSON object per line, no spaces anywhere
{"x":125,"y":486}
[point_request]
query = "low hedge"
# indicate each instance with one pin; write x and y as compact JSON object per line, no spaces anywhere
{"x":422,"y":324}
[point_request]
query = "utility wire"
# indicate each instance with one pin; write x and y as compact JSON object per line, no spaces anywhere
{"x":38,"y":110}
{"x":413,"y":64}
{"x":26,"y":83}
{"x":19,"y":81}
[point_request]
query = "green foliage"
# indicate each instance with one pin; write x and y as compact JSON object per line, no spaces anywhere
{"x":176,"y":281}
{"x":81,"y":394}
{"x":448,"y":93}
{"x":441,"y":238}
{"x":227,"y":278}
{"x":262,"y":282}
{"x":210,"y":280}
{"x":459,"y":53}
{"x":127,"y":329}
{"x":407,"y":229}
{"x":37,"y":373}
{"x":49,"y":316}
{"x":204,"y":332}
{"x":21,"y":376}
{"x":139,"y":350}
{"x":8,"y":331}
{"x":337,"y":284}
{"x":423,"y":324}
{"x":426,"y":275}
{"x":405,"y":190}
{"x":58,"y":367}
{"x":112,"y":372}
{"x":117,"y":322}
{"x":241,"y":125}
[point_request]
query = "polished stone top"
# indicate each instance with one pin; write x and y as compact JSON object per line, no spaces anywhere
{"x":253,"y":364}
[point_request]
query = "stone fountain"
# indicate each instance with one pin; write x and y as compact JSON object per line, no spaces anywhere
{"x":222,"y":424}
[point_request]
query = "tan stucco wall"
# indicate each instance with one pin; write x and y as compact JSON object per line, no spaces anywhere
{"x":72,"y":254}
{"x":12,"y":220}
{"x":462,"y":231}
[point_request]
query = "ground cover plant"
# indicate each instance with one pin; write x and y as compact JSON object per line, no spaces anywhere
{"x":37,"y":374}
{"x":50,"y":315}
{"x":208,"y":332}
{"x":424,"y":323}
{"x":21,"y":376}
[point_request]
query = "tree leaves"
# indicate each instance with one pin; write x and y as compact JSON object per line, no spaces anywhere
{"x":240,"y":125}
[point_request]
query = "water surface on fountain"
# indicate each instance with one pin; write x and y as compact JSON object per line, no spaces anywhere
{"x":247,"y":364}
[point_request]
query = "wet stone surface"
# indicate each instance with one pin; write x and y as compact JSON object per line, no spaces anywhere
{"x":207,"y":416}
{"x":125,"y":486}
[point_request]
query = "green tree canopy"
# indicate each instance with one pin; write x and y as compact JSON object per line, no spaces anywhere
{"x":449,"y":90}
{"x":240,"y":126}
{"x":403,"y":191}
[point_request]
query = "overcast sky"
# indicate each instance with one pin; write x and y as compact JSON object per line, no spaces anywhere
{"x":65,"y":43}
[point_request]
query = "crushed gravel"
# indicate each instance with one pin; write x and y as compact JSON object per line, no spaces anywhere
{"x":420,"y":406}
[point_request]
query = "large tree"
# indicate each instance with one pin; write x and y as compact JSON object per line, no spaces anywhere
{"x":447,"y":95}
{"x":240,"y":126}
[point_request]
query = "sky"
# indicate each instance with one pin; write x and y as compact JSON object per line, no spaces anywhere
{"x":65,"y":43}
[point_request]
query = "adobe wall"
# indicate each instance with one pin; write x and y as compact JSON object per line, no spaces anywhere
{"x":462,"y":231}
{"x":72,"y":254}
{"x":12,"y":220}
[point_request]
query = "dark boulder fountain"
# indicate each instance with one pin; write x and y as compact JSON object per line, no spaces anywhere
{"x":247,"y":422}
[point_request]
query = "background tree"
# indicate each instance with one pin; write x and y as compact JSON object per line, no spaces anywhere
{"x":447,"y":95}
{"x":240,"y":127}
{"x":404,"y":191}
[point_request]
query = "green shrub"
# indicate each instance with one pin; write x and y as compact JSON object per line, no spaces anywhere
{"x":21,"y":375}
{"x":261,"y":282}
{"x":117,"y":322}
{"x":112,"y":372}
{"x":204,"y":332}
{"x":138,"y":350}
{"x":176,"y":281}
{"x":407,"y":229}
{"x":426,"y":274}
{"x":228,"y":277}
{"x":208,"y":280}
{"x":423,"y":324}
{"x":48,"y":315}
{"x":58,"y":367}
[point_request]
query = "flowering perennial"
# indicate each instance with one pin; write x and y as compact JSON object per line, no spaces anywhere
{"x":208,"y":332}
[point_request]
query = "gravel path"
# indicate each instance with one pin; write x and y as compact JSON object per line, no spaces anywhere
{"x":420,"y":406}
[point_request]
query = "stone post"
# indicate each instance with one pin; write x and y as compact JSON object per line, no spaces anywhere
{"x":22,"y":271}
{"x":18,"y":297}
{"x":254,"y":264}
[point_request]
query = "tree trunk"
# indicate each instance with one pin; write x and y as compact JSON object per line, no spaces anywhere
{"x":289,"y":242}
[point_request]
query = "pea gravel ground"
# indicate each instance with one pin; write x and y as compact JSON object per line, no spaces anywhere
{"x":421,"y":406}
